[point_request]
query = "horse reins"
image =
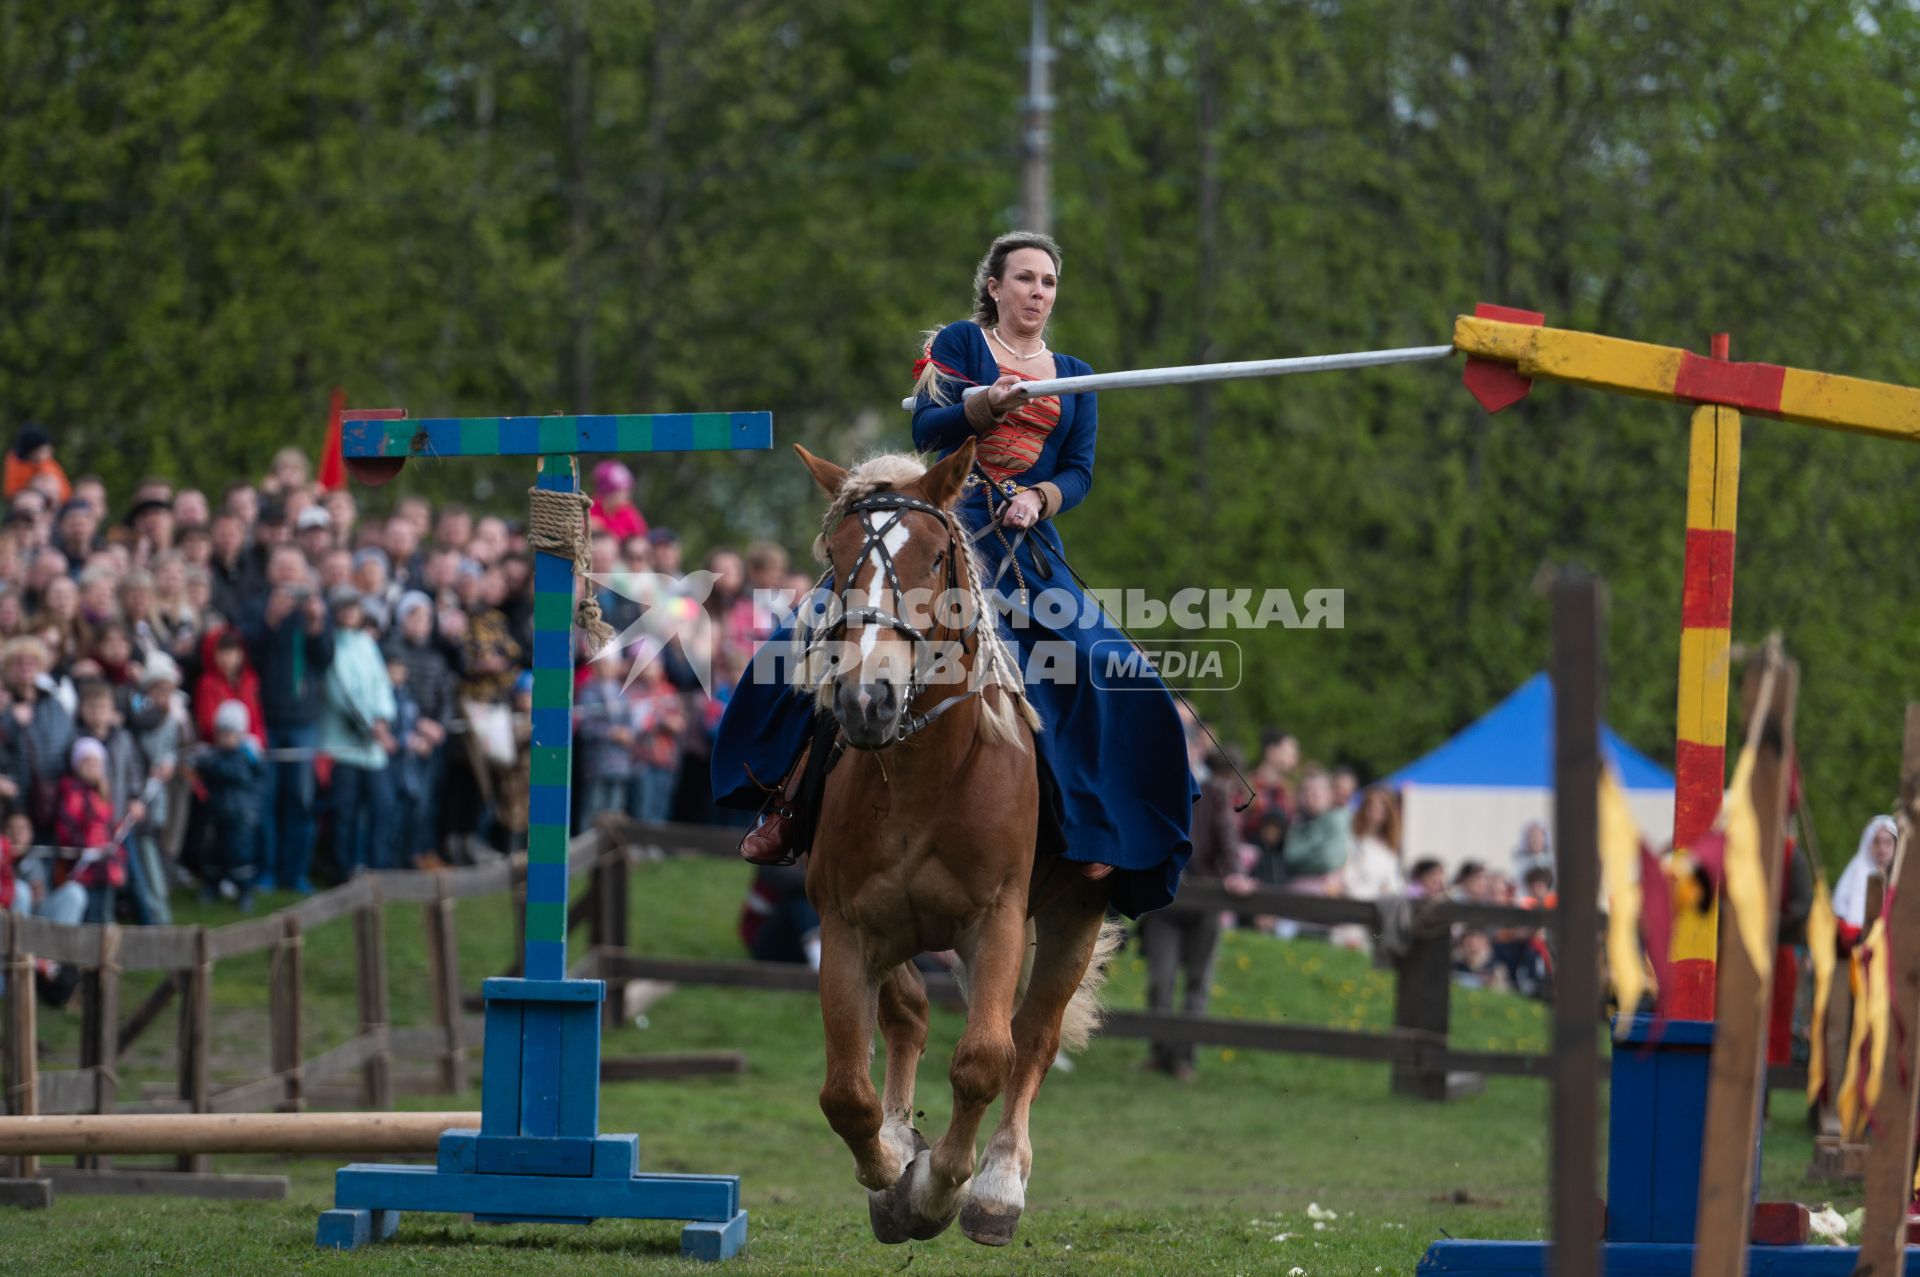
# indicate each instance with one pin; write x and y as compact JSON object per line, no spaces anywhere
{"x":994,"y":525}
{"x":896,"y":505}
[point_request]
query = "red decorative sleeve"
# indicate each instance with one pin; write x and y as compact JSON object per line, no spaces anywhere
{"x":920,"y":366}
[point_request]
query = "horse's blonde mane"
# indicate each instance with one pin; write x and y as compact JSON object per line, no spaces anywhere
{"x":994,"y":666}
{"x":884,"y":473}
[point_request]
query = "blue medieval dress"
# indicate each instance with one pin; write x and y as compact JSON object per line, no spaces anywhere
{"x":1115,"y":785}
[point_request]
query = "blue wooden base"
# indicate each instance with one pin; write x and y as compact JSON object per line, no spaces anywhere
{"x":352,"y":1229}
{"x":1642,"y":1259}
{"x":369,"y":1197}
{"x":1656,"y":1123}
{"x":538,"y":1157}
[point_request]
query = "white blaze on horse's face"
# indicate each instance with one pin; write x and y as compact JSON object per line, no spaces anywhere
{"x":871,"y":689}
{"x":874,"y":586}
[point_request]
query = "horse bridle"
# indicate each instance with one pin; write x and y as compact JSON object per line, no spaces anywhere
{"x":896,"y":505}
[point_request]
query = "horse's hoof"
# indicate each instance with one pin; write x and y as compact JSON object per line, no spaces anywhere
{"x":923,"y":1228}
{"x":890,"y":1213}
{"x":989,"y":1228}
{"x":883,"y":1213}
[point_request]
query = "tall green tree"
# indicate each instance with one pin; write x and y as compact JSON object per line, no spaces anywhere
{"x":211,"y":213}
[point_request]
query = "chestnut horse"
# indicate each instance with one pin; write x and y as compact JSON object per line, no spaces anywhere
{"x":926,"y":842}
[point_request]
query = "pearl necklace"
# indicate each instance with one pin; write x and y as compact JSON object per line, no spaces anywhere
{"x":994,"y":333}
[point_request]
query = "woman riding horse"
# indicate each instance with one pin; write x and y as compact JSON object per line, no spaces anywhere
{"x":1115,"y":791}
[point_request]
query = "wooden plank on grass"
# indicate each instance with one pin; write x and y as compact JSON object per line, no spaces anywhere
{"x":250,"y":1188}
{"x":26,"y":1194}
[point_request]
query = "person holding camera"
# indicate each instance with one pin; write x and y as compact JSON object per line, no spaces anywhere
{"x":291,"y":642}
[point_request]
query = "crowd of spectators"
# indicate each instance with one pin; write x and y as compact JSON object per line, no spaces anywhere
{"x":269,"y":687}
{"x":1314,"y":830}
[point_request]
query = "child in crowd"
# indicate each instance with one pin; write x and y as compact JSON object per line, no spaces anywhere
{"x":661,"y":721}
{"x":16,"y":893}
{"x":99,"y":717}
{"x":101,"y":720}
{"x":1427,"y":879}
{"x":226,"y":675}
{"x":603,"y":724}
{"x":1474,"y":963}
{"x":33,"y":872}
{"x":83,"y":819}
{"x":234,"y":775}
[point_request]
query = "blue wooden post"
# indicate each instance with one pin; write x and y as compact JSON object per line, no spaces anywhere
{"x":552,"y":758}
{"x":538,"y":1156}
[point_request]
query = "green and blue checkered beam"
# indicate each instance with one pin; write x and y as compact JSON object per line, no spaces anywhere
{"x":385,"y":433}
{"x":381,"y":439}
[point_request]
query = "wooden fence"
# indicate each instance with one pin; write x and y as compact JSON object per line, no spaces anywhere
{"x":1424,"y":1063}
{"x":188,"y":957}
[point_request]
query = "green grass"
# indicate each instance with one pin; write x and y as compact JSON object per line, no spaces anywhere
{"x":1133,"y":1173}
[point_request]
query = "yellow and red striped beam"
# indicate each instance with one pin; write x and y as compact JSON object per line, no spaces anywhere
{"x":1700,"y":748}
{"x":1664,"y":372}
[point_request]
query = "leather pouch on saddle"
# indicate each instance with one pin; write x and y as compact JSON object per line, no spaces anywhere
{"x":785,"y":831}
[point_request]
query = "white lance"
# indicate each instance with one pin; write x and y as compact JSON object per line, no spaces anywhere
{"x":1188,"y":374}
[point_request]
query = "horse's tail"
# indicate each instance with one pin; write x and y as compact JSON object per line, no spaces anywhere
{"x":1084,"y":1011}
{"x":1081,"y":1020}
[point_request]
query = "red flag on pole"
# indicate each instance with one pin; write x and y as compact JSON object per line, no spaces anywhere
{"x":333,"y":469}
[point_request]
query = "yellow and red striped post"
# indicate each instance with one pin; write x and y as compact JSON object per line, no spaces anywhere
{"x":1700,"y":750}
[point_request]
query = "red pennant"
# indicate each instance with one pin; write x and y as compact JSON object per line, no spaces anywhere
{"x":333,"y":468}
{"x":1497,"y":385}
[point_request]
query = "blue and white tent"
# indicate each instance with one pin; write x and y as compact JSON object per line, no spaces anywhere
{"x":1470,"y":798}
